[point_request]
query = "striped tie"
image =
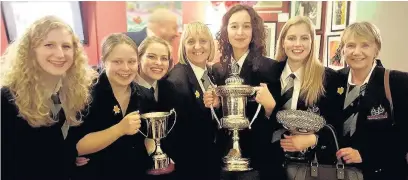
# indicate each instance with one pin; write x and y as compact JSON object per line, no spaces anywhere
{"x":287,"y":92}
{"x":206,"y":80}
{"x":350,"y":108}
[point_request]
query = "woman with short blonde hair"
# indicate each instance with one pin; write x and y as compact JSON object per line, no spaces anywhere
{"x":371,"y":124}
{"x":45,"y":85}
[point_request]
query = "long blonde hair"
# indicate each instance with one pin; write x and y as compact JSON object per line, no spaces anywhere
{"x":313,"y":75}
{"x":190,"y":29}
{"x":22,"y":75}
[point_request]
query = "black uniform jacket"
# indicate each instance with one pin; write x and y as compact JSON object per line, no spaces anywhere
{"x":32,"y":153}
{"x":193,"y":140}
{"x":127,"y":157}
{"x":381,"y":135}
{"x":255,"y":142}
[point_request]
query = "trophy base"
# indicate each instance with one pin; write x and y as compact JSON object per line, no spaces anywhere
{"x":231,"y":122}
{"x":236,"y":164}
{"x":161,"y":161}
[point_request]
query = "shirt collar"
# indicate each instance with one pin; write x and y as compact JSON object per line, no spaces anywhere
{"x":145,"y":84}
{"x":242,"y":59}
{"x":366,"y":79}
{"x":198,"y":71}
{"x":287,"y":71}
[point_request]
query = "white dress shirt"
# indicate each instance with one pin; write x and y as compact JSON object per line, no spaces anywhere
{"x":241,"y":60}
{"x":296,"y":83}
{"x":145,"y":84}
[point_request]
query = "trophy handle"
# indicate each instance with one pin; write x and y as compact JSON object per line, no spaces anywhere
{"x":142,"y":132}
{"x":215,"y":116}
{"x":175,"y":118}
{"x":257,"y":88}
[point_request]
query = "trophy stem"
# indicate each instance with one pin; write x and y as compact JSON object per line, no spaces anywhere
{"x":235,"y":143}
{"x":160,"y":158}
{"x":234,"y":161}
{"x":158,"y":148}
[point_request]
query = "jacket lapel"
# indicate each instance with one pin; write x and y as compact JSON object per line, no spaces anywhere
{"x":194,"y":86}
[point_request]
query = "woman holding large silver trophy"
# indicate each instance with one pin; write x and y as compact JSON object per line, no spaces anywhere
{"x":242,"y":70}
{"x":111,"y":139}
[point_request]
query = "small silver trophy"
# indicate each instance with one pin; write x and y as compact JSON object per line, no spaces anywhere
{"x":157,"y":125}
{"x":300,"y":122}
{"x":234,"y":100}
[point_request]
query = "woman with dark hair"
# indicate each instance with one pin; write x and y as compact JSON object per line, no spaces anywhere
{"x":242,"y":43}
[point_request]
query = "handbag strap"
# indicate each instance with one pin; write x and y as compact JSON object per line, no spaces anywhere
{"x":339,"y":162}
{"x":388,"y":92}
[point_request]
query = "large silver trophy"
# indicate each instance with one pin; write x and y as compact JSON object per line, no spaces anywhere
{"x":300,"y":122}
{"x":157,"y":125}
{"x":234,"y":100}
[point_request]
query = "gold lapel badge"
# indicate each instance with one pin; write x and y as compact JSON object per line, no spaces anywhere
{"x":116,"y":109}
{"x":197,"y":94}
{"x":340,"y":90}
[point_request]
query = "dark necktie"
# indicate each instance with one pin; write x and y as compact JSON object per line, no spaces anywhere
{"x":350,"y":108}
{"x":287,"y":92}
{"x":152,"y":91}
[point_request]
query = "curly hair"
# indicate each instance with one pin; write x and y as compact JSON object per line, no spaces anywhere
{"x":312,"y":83}
{"x":257,"y":44}
{"x":22,"y":75}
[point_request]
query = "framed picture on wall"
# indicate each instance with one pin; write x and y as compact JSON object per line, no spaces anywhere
{"x":340,"y":15}
{"x":318,"y":45}
{"x":311,"y":9}
{"x":271,"y":31}
{"x":334,"y":59}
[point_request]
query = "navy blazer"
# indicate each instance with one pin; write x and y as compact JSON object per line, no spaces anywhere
{"x":30,"y":153}
{"x":193,"y":139}
{"x":254,"y":143}
{"x":127,"y":157}
{"x":139,"y":36}
{"x":380,"y":136}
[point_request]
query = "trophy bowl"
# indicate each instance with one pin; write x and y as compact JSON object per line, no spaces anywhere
{"x":300,"y":122}
{"x":157,"y":125}
{"x":234,"y":101}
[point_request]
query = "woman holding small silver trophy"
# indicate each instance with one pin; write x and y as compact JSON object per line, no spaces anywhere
{"x":154,"y":63}
{"x":111,"y":141}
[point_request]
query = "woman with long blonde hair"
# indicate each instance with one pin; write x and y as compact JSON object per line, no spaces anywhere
{"x":45,"y":84}
{"x":305,"y":85}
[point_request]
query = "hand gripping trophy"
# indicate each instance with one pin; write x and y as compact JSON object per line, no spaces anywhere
{"x":300,"y":122}
{"x":157,"y":125}
{"x":233,"y":100}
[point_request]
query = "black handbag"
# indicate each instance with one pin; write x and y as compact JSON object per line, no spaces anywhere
{"x":316,"y":171}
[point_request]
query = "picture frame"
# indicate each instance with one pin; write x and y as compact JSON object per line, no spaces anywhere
{"x":271,"y":33}
{"x":311,"y":9}
{"x":318,"y":46}
{"x":340,"y":15}
{"x":334,"y":59}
